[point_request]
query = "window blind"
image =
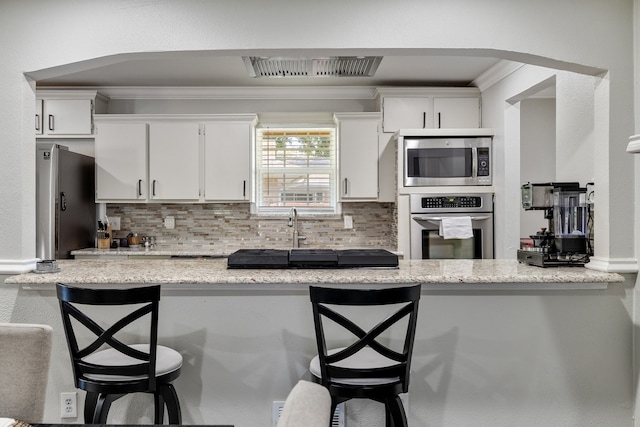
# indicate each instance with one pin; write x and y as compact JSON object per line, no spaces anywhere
{"x":296,"y":167}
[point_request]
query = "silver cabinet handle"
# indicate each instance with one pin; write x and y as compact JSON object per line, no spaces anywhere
{"x":439,"y":120}
{"x":153,"y":188}
{"x":346,"y":188}
{"x":424,"y":119}
{"x":244,"y":188}
{"x":37,"y":122}
{"x":51,"y":123}
{"x":139,"y":187}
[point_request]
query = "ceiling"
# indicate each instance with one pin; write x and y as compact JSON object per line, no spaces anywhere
{"x":202,"y":69}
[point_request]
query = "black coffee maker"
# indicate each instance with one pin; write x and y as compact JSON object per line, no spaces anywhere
{"x":565,"y":242}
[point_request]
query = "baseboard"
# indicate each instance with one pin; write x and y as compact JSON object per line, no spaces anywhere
{"x":613,"y":265}
{"x":17,"y":266}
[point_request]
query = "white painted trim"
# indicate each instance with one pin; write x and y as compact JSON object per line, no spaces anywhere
{"x":634,"y":144}
{"x":613,"y":265}
{"x":237,"y":92}
{"x":447,"y":132}
{"x":496,"y":73}
{"x":419,"y":92}
{"x":136,"y":118}
{"x":17,"y":266}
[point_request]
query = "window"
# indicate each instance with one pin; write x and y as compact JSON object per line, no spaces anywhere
{"x":296,"y":167}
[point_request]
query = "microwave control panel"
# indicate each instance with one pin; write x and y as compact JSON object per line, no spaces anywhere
{"x":483,"y":161}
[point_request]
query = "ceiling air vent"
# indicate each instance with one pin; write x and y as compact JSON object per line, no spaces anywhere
{"x":335,"y":66}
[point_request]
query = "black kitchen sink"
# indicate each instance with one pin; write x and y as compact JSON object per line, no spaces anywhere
{"x":312,"y":258}
{"x":259,"y":258}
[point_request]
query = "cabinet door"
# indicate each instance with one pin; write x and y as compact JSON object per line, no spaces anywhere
{"x":174,"y":161}
{"x":121,"y":162}
{"x":227,"y":168}
{"x":407,"y":113}
{"x":461,"y":113}
{"x":67,"y":117}
{"x":38,"y":118}
{"x":358,"y":158}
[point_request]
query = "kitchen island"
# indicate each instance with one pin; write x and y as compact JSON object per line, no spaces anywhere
{"x":452,"y":274}
{"x":497,"y":342}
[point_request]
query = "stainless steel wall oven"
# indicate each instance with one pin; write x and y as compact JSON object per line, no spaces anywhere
{"x":427,"y":213}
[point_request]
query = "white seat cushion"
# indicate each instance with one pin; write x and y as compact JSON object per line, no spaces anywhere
{"x":308,"y":405}
{"x":167,"y":360}
{"x":365,"y":358}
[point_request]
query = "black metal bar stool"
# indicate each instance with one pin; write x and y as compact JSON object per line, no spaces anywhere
{"x":107,"y":368}
{"x":368,"y":366}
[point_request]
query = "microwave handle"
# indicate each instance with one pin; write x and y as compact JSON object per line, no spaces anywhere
{"x":439,"y":218}
{"x":474,"y":162}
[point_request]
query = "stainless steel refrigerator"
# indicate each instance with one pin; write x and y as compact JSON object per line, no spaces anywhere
{"x":65,"y":201}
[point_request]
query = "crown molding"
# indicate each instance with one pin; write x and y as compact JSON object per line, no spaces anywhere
{"x":496,"y":73}
{"x":234,"y":92}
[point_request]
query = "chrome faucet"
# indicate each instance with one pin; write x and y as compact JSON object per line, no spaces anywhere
{"x":293,"y":222}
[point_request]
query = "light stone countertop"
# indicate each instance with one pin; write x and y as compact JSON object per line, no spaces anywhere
{"x":160,"y":251}
{"x":214,"y":271}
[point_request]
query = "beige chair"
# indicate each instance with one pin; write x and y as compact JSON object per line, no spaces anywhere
{"x":25,"y":351}
{"x":308,"y":405}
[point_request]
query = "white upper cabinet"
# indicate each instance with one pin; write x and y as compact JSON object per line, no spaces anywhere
{"x":358,"y":145}
{"x":121,"y":162}
{"x":407,"y":113}
{"x":456,"y":113}
{"x":67,"y":114}
{"x":429,"y":108}
{"x":173,"y":158}
{"x":227,"y":158}
{"x":174,"y":161}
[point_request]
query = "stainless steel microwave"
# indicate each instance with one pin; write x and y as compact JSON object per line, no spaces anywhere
{"x":447,"y":161}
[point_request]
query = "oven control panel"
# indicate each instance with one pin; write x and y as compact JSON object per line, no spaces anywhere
{"x":421,"y":203}
{"x":452,"y":202}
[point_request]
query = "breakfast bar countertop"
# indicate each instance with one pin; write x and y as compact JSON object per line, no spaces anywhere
{"x":214,"y":271}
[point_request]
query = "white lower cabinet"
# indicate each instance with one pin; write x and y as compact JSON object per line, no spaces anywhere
{"x":121,"y":162}
{"x":358,"y":145}
{"x":227,"y":160}
{"x":174,"y":161}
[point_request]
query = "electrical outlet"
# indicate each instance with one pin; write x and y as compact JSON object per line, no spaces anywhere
{"x":348,"y":222}
{"x":169,"y":223}
{"x":69,"y":405}
{"x":114,"y":222}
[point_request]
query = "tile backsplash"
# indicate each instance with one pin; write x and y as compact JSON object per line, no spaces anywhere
{"x":233,"y":226}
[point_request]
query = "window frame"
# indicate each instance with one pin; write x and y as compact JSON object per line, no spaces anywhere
{"x":333,"y":207}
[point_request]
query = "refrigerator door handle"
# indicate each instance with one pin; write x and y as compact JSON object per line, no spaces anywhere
{"x":63,"y":201}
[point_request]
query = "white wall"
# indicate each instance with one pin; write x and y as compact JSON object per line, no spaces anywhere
{"x":537,"y":153}
{"x":483,"y":359}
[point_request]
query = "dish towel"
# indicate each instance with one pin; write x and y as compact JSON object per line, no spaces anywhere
{"x":458,"y":227}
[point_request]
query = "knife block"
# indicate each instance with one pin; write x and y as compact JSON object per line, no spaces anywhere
{"x":104,"y":242}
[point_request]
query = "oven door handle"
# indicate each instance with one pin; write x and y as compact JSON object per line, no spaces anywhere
{"x":439,"y":218}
